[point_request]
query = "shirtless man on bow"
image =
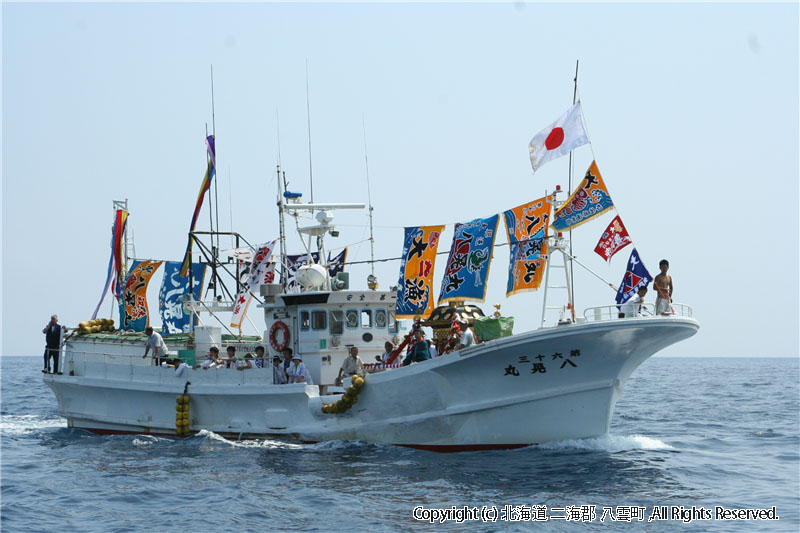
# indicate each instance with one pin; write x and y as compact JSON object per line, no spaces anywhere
{"x":663,"y":286}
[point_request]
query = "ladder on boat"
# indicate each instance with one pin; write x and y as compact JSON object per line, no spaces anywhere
{"x":555,"y":249}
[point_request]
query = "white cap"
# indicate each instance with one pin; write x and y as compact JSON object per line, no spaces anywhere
{"x":297,"y":356}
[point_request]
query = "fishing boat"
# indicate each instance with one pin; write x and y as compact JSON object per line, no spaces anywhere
{"x":508,"y":390}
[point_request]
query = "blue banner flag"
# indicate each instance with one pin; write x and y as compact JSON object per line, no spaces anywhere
{"x":170,"y":297}
{"x":469,"y":260}
{"x":636,"y":276}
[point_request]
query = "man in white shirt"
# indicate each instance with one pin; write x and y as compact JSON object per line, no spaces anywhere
{"x":633,"y":307}
{"x":154,"y":341}
{"x":467,"y":338}
{"x":351,"y":365}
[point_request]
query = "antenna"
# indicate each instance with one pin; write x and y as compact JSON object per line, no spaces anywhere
{"x":372,"y":281}
{"x":230,"y":204}
{"x":278,"y":125}
{"x":214,"y":133}
{"x":308,"y":114}
{"x":282,"y":187}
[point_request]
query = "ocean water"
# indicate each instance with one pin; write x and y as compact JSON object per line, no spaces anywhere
{"x":700,"y":432}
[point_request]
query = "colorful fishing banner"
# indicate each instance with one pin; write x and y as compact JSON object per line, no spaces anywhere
{"x":469,"y":260}
{"x":589,"y":200}
{"x":293,"y":262}
{"x":635,"y":276}
{"x":133,"y":312}
{"x":211,"y":169}
{"x":416,"y":271}
{"x":174,"y":288}
{"x":262,"y":270}
{"x":115,"y":266}
{"x":527,"y":237}
{"x":614,"y":239}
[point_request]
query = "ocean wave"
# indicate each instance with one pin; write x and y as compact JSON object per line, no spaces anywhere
{"x":22,"y":424}
{"x":344,"y":445}
{"x":207,"y":435}
{"x":609,"y":443}
{"x":146,"y":440}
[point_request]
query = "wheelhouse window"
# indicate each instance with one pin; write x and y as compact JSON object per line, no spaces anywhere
{"x":305,"y":321}
{"x":337,"y":322}
{"x":318,"y":320}
{"x":366,"y":318}
{"x":392,"y":323}
{"x":380,"y":318}
{"x":352,"y":318}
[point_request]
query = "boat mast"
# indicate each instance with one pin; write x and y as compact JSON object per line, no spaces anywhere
{"x":308,"y":116}
{"x":570,"y":278}
{"x":372,"y":281}
{"x":215,"y":248}
{"x":126,"y":245}
{"x":557,"y":243}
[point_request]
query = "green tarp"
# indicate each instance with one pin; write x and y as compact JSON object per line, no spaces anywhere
{"x":489,"y":327}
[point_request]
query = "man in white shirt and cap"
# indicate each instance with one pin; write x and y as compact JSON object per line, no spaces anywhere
{"x":467,"y":337}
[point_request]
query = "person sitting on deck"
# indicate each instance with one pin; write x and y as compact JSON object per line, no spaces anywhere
{"x":278,"y":373}
{"x":420,"y":351}
{"x":352,"y":365}
{"x":298,"y":373}
{"x":156,"y":343}
{"x":212,"y":361}
{"x":467,"y":337}
{"x":230,"y":361}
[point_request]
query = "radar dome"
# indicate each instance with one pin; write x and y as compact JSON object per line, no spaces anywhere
{"x":311,"y":276}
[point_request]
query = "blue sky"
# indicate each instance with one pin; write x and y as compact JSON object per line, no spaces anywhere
{"x":692,"y":110}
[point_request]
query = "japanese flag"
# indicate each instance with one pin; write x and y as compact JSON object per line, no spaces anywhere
{"x":558,"y":138}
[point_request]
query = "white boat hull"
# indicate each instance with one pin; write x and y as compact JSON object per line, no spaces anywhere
{"x":546,"y":385}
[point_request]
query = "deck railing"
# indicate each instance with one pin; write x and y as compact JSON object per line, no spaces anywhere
{"x":114,"y":365}
{"x":612,"y":312}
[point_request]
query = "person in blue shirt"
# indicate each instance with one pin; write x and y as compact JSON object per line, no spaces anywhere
{"x":420,"y":350}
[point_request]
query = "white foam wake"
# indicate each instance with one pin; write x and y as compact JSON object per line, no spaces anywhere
{"x":609,"y":443}
{"x":258,"y":443}
{"x":22,"y":424}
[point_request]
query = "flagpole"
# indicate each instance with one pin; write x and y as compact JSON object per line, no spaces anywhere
{"x":571,"y":277}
